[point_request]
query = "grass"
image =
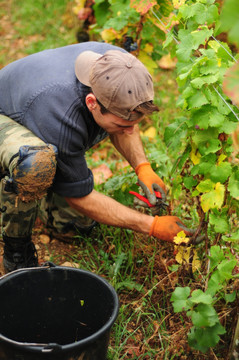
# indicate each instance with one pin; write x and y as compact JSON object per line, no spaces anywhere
{"x":28,"y":27}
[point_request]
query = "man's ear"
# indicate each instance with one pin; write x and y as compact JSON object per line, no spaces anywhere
{"x":91,"y":102}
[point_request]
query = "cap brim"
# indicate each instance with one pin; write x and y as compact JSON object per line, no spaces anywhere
{"x":83,"y":66}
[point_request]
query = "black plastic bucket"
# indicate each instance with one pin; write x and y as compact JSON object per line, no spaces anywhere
{"x":55,"y":313}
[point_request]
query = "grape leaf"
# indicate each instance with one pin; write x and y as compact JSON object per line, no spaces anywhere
{"x":221,"y":172}
{"x":197,"y":100}
{"x":225,"y":268}
{"x":204,"y":338}
{"x":233,"y":185}
{"x":205,"y":186}
{"x":204,"y":314}
{"x":213,"y":199}
{"x":211,"y":146}
{"x":142,"y":6}
{"x":189,"y":182}
{"x":200,"y":36}
{"x":180,"y":298}
{"x":219,"y":222}
{"x":198,"y":296}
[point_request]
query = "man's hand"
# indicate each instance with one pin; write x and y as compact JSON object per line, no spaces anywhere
{"x":150,"y":182}
{"x":167,"y":227}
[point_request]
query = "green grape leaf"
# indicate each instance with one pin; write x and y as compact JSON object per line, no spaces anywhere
{"x":215,"y":118}
{"x":180,"y":299}
{"x":230,"y":297}
{"x":184,"y":48}
{"x":214,"y":284}
{"x":205,"y":186}
{"x":209,"y":66}
{"x":101,"y":11}
{"x":220,"y":222}
{"x":211,"y":146}
{"x":198,"y":296}
{"x":211,"y":14}
{"x":222,"y":49}
{"x":213,"y":199}
{"x":200,"y":36}
{"x":189,"y":182}
{"x":197,"y":100}
{"x":203,"y":338}
{"x":233,"y":184}
{"x":174,"y":133}
{"x":204,"y":315}
{"x":225,"y":268}
{"x":206,"y":163}
{"x":216,"y":256}
{"x":221,"y":172}
{"x":228,"y":126}
{"x":204,"y":135}
{"x":206,"y":79}
{"x":207,"y":116}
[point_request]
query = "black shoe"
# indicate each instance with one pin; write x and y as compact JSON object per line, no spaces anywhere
{"x":19,"y":253}
{"x":70,"y":231}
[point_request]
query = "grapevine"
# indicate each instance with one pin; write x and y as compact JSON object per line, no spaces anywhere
{"x":204,"y":170}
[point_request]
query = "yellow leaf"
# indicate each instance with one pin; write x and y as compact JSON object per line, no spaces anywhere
{"x":195,"y":155}
{"x":142,"y":6}
{"x":148,"y":48}
{"x":215,"y":45}
{"x":213,"y":199}
{"x":178,"y":3}
{"x":221,"y":158}
{"x":219,"y":194}
{"x":183,"y":255}
{"x":109,"y":34}
{"x":79,"y":5}
{"x":180,"y":238}
{"x":166,"y":62}
{"x":147,"y":61}
{"x":150,"y":132}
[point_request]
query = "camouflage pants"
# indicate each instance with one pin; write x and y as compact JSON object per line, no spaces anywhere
{"x":27,"y":169}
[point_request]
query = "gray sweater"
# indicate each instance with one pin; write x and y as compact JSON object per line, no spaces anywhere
{"x":42,"y":93}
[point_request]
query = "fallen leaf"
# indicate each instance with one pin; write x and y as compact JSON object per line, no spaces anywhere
{"x":167,"y":63}
{"x":44,"y":239}
{"x":150,"y":132}
{"x":101,"y":174}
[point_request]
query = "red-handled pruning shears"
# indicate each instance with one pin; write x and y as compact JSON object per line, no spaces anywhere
{"x":143,"y":201}
{"x":146,"y":201}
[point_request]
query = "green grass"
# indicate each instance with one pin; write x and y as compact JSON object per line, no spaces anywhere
{"x":47,"y":24}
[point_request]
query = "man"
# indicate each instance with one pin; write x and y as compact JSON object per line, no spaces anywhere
{"x":55,"y":105}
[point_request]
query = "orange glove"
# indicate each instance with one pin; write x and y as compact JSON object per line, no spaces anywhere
{"x":166,"y":228}
{"x":150,"y":182}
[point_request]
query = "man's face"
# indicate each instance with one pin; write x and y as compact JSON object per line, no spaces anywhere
{"x":111,"y":123}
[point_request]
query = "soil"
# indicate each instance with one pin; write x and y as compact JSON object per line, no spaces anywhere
{"x":45,"y":246}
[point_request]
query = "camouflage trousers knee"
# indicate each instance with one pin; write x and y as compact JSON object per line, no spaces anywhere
{"x":27,"y":168}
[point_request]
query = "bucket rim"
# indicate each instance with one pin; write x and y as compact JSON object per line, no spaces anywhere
{"x":49,"y":347}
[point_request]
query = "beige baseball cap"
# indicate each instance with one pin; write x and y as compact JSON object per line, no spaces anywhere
{"x":118,"y":80}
